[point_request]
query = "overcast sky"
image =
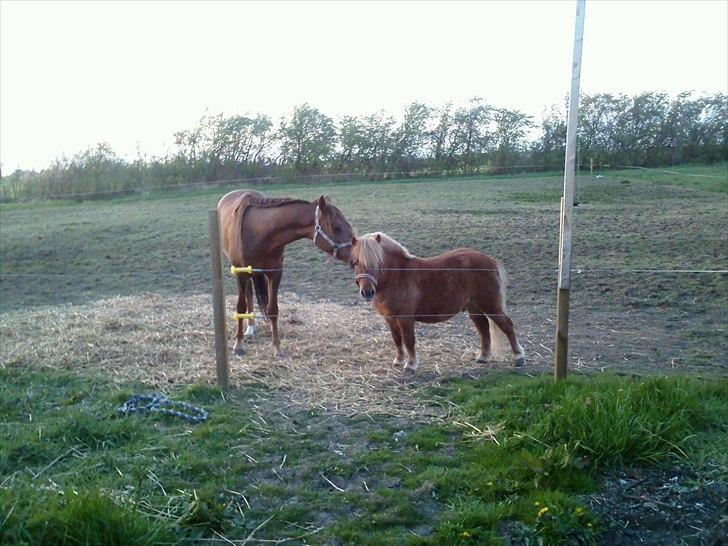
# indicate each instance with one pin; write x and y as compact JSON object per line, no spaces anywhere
{"x":131,"y":73}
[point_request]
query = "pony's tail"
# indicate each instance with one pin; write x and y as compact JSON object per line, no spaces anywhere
{"x":502,"y":284}
{"x":499,"y":341}
{"x":261,"y":294}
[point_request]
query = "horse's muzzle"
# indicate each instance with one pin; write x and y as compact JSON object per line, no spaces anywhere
{"x":368,"y":294}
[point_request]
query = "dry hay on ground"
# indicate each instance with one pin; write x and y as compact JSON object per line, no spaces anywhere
{"x":338,"y":357}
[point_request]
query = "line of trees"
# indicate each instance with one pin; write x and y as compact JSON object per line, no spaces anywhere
{"x":650,"y":129}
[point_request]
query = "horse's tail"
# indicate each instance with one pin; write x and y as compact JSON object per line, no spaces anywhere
{"x":499,"y":341}
{"x":261,"y":294}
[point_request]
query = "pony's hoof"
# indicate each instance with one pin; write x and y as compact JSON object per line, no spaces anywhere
{"x":239,"y":350}
{"x":483,"y":359}
{"x":408,"y":370}
{"x":398,"y":361}
{"x":520,"y":361}
{"x":248,"y":335}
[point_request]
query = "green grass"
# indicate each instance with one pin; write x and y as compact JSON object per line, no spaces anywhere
{"x":711,"y":178}
{"x":54,"y":253}
{"x":75,"y":472}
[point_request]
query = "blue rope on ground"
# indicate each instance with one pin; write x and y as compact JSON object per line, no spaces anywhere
{"x":159,"y":403}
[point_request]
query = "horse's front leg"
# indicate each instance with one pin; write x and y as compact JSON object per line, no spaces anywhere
{"x":238,"y":348}
{"x":274,"y":280}
{"x":250,"y":330}
{"x":397,"y":338}
{"x":407,"y":330}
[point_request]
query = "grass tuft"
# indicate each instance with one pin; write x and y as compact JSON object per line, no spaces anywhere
{"x":80,"y":519}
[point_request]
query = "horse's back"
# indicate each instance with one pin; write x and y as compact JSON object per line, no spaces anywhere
{"x":231,"y":208}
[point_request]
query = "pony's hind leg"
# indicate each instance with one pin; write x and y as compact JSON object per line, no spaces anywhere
{"x":238,"y":348}
{"x":481,"y":324}
{"x":250,"y":330}
{"x":505,"y":324}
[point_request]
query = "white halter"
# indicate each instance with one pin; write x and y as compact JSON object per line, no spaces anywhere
{"x":370,"y":278}
{"x":318,"y":230}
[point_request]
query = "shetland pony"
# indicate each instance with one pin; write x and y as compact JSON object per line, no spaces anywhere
{"x":255,"y":231}
{"x":404,"y":288}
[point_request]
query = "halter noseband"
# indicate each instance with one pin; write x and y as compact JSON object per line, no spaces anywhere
{"x":371,"y":278}
{"x":318,"y":230}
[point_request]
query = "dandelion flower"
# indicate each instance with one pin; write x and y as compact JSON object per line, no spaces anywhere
{"x":543,"y":511}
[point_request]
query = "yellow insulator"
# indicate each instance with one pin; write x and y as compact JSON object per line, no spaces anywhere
{"x":248,"y":270}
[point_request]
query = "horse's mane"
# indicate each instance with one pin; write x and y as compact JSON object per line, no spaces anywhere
{"x":263,"y":202}
{"x":370,"y":252}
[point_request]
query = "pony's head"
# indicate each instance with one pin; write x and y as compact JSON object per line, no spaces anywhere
{"x":369,"y":255}
{"x":336,"y":227}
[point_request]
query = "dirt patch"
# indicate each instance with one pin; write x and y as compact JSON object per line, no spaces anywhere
{"x":667,"y":507}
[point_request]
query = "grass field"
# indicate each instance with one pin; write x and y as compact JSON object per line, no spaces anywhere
{"x":331,"y":445}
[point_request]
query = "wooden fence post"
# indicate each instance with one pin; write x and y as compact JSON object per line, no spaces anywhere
{"x":218,"y":302}
{"x":567,"y":204}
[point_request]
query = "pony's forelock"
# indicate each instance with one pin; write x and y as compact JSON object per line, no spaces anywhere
{"x":370,"y":252}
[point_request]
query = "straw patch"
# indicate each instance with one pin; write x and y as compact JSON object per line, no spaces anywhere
{"x":338,"y":357}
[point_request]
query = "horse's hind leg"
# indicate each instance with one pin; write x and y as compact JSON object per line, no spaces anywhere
{"x":238,"y":348}
{"x":481,"y":324}
{"x":250,"y":330}
{"x":505,"y":324}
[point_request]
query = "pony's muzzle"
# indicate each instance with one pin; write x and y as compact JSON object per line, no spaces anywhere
{"x":367,"y":285}
{"x":368,"y":293}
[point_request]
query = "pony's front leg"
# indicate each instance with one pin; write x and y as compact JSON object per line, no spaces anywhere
{"x":397,"y":338}
{"x":274,"y":280}
{"x":407,"y":330}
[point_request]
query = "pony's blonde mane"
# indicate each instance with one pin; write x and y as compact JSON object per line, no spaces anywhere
{"x":370,"y":252}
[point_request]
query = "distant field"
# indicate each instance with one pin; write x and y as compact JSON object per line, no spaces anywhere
{"x":332,"y":445}
{"x":74,"y":253}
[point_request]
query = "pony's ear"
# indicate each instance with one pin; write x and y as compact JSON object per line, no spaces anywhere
{"x":353,"y":241}
{"x":322,"y":202}
{"x":379,"y":238}
{"x":327,"y":198}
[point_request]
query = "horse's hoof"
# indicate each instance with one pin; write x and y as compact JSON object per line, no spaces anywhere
{"x":239,"y":351}
{"x":407,"y":370}
{"x":520,"y":361}
{"x":483,"y":359}
{"x":398,"y":361}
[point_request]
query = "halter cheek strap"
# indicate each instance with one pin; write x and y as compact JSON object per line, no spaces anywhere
{"x":367,"y":276}
{"x":318,"y":230}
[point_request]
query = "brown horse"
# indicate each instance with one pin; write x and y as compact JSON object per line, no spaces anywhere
{"x":256,"y":230}
{"x":404,"y":289}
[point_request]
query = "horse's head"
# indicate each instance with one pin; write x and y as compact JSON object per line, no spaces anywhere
{"x":333,"y":232}
{"x":367,"y":255}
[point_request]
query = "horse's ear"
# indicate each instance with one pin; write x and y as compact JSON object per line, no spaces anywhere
{"x":327,"y":199}
{"x":379,"y":237}
{"x":353,"y":241}
{"x":322,"y":202}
